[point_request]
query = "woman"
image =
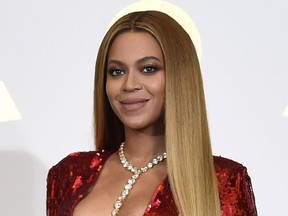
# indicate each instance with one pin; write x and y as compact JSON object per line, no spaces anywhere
{"x":154,"y":154}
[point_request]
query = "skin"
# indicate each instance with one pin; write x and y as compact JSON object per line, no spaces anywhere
{"x":136,"y":90}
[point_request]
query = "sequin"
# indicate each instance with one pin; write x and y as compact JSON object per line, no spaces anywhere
{"x":75,"y":154}
{"x":78,"y":183}
{"x":72,"y":178}
{"x":95,"y":162}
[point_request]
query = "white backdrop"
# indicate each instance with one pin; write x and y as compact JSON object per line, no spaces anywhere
{"x":47,"y":57}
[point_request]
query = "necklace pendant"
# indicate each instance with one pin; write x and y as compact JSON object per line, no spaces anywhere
{"x":114,"y":212}
{"x":131,"y":181}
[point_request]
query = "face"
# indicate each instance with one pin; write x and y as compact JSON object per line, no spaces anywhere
{"x":136,"y":80}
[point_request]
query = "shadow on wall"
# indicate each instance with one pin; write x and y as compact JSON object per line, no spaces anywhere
{"x":22,"y":184}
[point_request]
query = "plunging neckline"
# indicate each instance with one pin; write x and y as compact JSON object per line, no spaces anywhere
{"x":93,"y":184}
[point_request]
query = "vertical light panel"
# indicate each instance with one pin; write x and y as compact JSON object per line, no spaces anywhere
{"x":285,"y":113}
{"x":8,"y":109}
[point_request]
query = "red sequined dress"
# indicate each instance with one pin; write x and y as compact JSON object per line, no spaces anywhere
{"x":72,"y":178}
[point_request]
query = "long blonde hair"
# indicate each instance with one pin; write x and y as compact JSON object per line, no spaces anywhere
{"x":190,"y":162}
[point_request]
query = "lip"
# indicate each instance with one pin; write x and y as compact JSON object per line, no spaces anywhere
{"x":133,"y":104}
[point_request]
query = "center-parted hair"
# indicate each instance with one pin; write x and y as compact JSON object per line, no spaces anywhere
{"x":190,"y":164}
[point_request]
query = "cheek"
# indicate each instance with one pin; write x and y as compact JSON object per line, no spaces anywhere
{"x":107,"y":89}
{"x":110,"y":93}
{"x":162,"y":93}
{"x":110,"y":89}
{"x":159,"y":88}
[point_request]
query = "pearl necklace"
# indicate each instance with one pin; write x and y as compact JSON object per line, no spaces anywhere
{"x":136,"y":173}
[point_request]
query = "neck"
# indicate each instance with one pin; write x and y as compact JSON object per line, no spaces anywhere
{"x":142,"y":146}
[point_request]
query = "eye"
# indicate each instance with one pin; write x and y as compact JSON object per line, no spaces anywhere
{"x":115,"y":72}
{"x":149,"y":69}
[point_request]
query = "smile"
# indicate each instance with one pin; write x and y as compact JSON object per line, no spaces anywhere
{"x":133,"y":105}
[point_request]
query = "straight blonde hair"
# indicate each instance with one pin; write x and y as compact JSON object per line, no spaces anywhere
{"x":190,"y":164}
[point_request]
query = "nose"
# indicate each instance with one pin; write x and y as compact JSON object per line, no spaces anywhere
{"x":132,"y":82}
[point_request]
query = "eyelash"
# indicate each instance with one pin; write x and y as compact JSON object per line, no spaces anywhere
{"x":151,"y":69}
{"x":115,"y":72}
{"x":147,"y":70}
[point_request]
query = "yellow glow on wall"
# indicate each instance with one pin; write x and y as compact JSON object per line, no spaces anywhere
{"x":8,"y":109}
{"x":285,"y":113}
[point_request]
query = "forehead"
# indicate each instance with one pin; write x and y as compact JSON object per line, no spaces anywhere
{"x":134,"y":44}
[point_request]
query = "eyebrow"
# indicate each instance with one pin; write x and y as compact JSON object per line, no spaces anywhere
{"x":139,"y":61}
{"x":147,"y":58}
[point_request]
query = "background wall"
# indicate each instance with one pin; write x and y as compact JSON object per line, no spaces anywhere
{"x":47,"y":57}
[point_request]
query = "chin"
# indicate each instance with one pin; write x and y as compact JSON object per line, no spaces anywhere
{"x":136,"y":126}
{"x":154,"y":125}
